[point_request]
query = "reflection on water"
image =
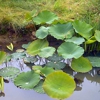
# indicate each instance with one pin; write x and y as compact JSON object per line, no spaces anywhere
{"x":88,"y":86}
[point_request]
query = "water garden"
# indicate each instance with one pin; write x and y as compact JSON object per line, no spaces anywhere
{"x":57,"y":58}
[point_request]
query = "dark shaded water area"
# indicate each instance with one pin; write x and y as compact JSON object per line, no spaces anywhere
{"x":88,"y":86}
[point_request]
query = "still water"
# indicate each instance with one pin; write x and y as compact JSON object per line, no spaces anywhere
{"x":87,"y":89}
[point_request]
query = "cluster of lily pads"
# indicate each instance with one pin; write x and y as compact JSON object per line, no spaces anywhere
{"x":50,"y":77}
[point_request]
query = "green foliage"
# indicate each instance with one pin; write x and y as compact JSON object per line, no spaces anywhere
{"x":95,"y":61}
{"x":59,"y":85}
{"x":61,"y":31}
{"x":70,"y":50}
{"x":27,"y":80}
{"x":45,"y":17}
{"x":97,"y":35}
{"x":81,"y":65}
{"x":9,"y":72}
{"x":2,"y":56}
{"x":1,"y":84}
{"x":83,"y":29}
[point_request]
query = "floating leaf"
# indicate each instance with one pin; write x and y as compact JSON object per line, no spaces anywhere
{"x":46,"y":52}
{"x":95,"y":61}
{"x":42,"y":32}
{"x":38,"y":88}
{"x":83,"y":29}
{"x":37,"y":69}
{"x":62,"y":31}
{"x":35,"y":47}
{"x":81,"y":65}
{"x":10,"y":47}
{"x":27,"y":80}
{"x":2,"y":56}
{"x":45,"y":17}
{"x":18,"y":55}
{"x":56,"y":65}
{"x":9,"y":72}
{"x":97,"y":35}
{"x":70,"y":50}
{"x":59,"y":85}
{"x":1,"y":84}
{"x":76,"y":40}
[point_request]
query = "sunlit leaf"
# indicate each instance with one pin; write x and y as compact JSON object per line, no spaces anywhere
{"x":46,"y":52}
{"x":56,"y":65}
{"x":35,"y":47}
{"x":27,"y":80}
{"x":45,"y":17}
{"x":70,"y":50}
{"x":81,"y":64}
{"x":9,"y":72}
{"x":97,"y":35}
{"x":76,"y":40}
{"x":62,"y":31}
{"x":10,"y":47}
{"x":42,"y":32}
{"x":91,"y":40}
{"x":1,"y":84}
{"x":82,"y":28}
{"x":25,"y":45}
{"x":2,"y":56}
{"x":59,"y":85}
{"x":95,"y":61}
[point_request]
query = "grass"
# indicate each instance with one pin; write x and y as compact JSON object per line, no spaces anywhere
{"x":14,"y":11}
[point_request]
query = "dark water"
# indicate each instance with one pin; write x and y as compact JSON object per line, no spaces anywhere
{"x":87,"y":89}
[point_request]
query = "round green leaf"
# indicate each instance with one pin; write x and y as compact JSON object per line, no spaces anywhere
{"x":56,"y":65}
{"x":2,"y":56}
{"x":76,"y":40}
{"x":55,"y":58}
{"x":27,"y":80}
{"x":97,"y":35}
{"x":95,"y":61}
{"x":9,"y":72}
{"x":62,"y":31}
{"x":83,"y":28}
{"x":45,"y":17}
{"x":46,"y":52}
{"x":35,"y":47}
{"x":70,"y":50}
{"x":59,"y":85}
{"x":81,"y":65}
{"x":42,"y":32}
{"x":38,"y":88}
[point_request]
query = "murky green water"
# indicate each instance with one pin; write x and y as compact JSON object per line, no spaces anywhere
{"x":87,"y":89}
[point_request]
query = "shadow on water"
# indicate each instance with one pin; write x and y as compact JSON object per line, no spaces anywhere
{"x":88,"y":86}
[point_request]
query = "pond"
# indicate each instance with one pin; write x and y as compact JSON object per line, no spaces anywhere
{"x":88,"y":87}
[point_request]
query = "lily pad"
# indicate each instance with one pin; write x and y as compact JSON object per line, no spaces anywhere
{"x":76,"y":40}
{"x":25,"y":45}
{"x":45,"y":17}
{"x":70,"y":50}
{"x":46,"y":52}
{"x":35,"y":47}
{"x":59,"y":85}
{"x":62,"y":31}
{"x":42,"y":32}
{"x":97,"y":35}
{"x":83,"y":28}
{"x":9,"y":72}
{"x":56,"y":65}
{"x":27,"y":80}
{"x":81,"y":64}
{"x":38,"y":88}
{"x":55,"y":58}
{"x":95,"y":61}
{"x":2,"y":56}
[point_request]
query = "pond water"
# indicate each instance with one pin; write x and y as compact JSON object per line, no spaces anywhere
{"x":88,"y":88}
